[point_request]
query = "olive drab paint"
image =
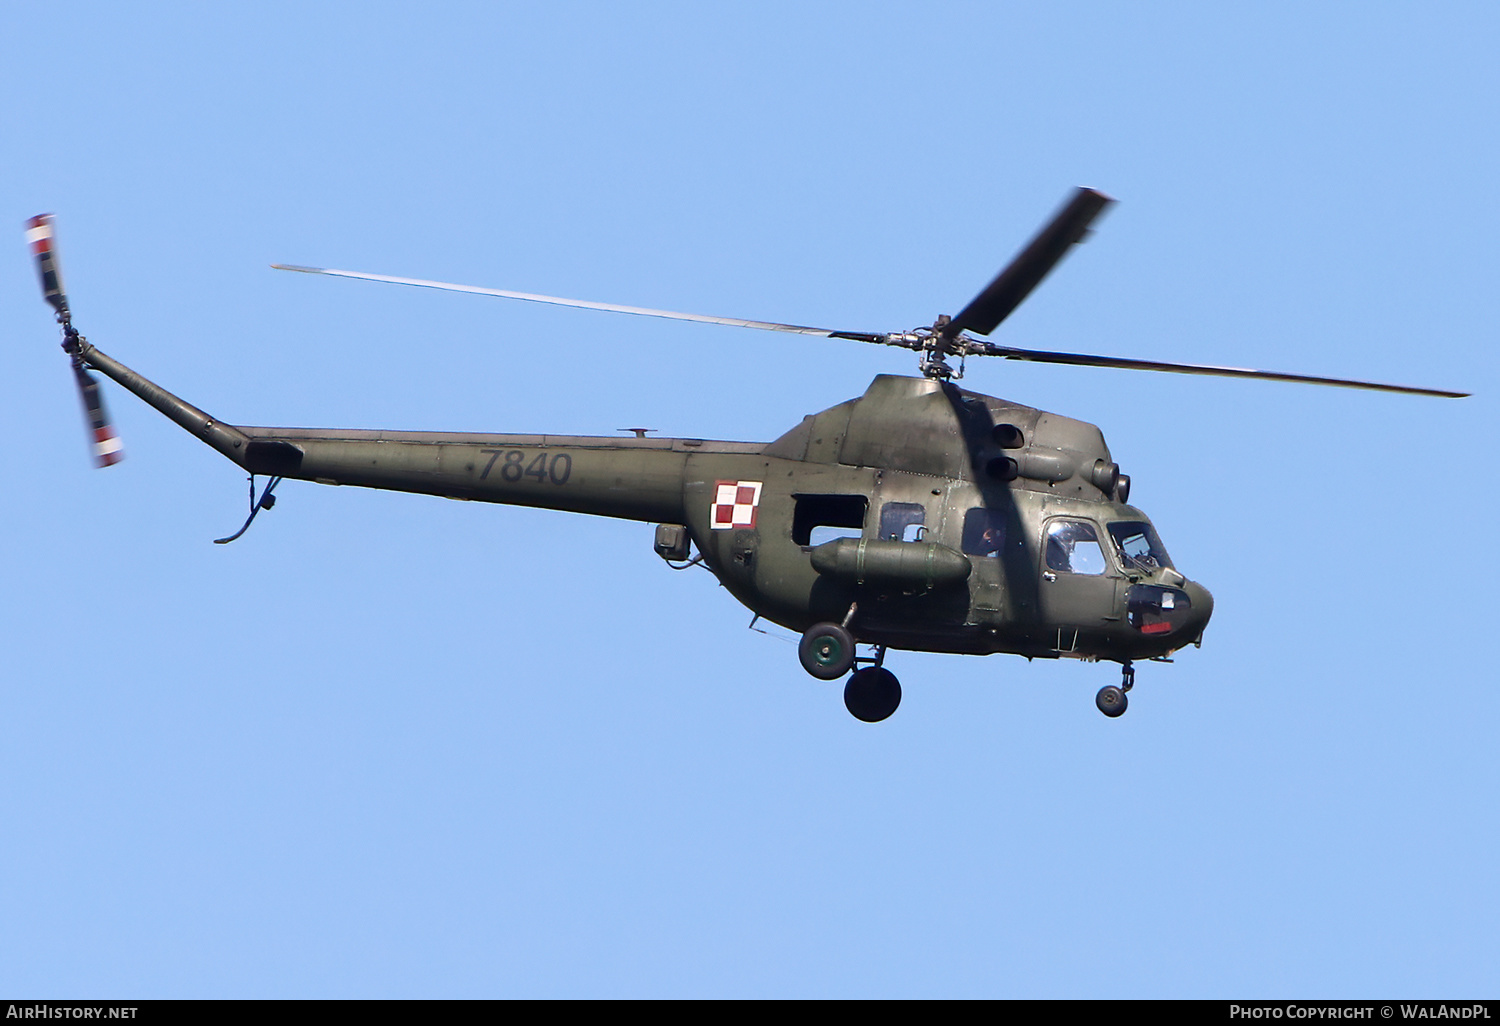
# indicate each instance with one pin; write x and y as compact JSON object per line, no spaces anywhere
{"x":937,"y":454}
{"x":917,"y":516}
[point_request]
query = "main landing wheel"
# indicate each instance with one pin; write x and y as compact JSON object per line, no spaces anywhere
{"x":1111,"y":701}
{"x":826,"y":651}
{"x":872,"y":694}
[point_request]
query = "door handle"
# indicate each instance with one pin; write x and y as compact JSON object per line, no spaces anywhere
{"x":1048,"y":575}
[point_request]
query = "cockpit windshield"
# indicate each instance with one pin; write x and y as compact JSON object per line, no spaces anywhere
{"x":1139,"y":547}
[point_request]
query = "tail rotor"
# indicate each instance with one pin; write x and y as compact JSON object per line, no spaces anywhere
{"x":106,"y":444}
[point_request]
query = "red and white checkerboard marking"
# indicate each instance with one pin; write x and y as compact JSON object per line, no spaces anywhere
{"x":736,"y":504}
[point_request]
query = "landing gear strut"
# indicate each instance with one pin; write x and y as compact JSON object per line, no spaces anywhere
{"x":1111,"y":700}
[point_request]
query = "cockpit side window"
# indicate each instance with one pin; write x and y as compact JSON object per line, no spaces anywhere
{"x":1073,"y":548}
{"x":1138,"y":546}
{"x":984,"y":532}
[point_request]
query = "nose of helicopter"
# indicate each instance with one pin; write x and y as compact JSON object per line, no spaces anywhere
{"x":1201,"y":607}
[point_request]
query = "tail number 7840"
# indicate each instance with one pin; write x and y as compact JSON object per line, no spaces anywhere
{"x":544,"y":467}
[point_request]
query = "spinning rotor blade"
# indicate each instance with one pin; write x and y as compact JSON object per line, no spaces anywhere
{"x":106,"y":444}
{"x":583,"y":304}
{"x":102,"y":437}
{"x":978,"y":348}
{"x":945,"y":338}
{"x":1024,"y":273}
{"x":39,"y":234}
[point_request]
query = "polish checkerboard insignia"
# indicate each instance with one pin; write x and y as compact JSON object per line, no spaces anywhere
{"x":736,"y":504}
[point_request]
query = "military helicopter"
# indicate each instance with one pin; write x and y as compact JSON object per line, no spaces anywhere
{"x":919,"y":516}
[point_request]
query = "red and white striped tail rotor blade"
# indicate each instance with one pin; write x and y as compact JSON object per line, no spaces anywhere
{"x":39,"y":234}
{"x":106,"y":444}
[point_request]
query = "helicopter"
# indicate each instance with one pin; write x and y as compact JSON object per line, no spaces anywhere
{"x":919,"y":516}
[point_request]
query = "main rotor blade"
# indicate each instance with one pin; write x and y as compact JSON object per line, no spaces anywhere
{"x":797,"y":329}
{"x":1026,"y":271}
{"x":978,"y":348}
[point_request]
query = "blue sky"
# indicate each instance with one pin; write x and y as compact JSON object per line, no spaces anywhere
{"x":390,"y":746}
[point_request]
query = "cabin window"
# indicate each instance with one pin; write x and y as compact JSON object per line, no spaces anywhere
{"x":903,"y":521}
{"x":984,"y":532}
{"x":822,"y":518}
{"x":1139,"y":547}
{"x":1073,"y":548}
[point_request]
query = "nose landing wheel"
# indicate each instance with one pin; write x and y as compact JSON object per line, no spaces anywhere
{"x":1111,"y":700}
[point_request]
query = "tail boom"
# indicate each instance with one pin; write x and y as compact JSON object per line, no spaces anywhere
{"x":628,"y":478}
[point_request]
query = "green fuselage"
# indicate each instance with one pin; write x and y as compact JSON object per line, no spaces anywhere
{"x":973,"y":524}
